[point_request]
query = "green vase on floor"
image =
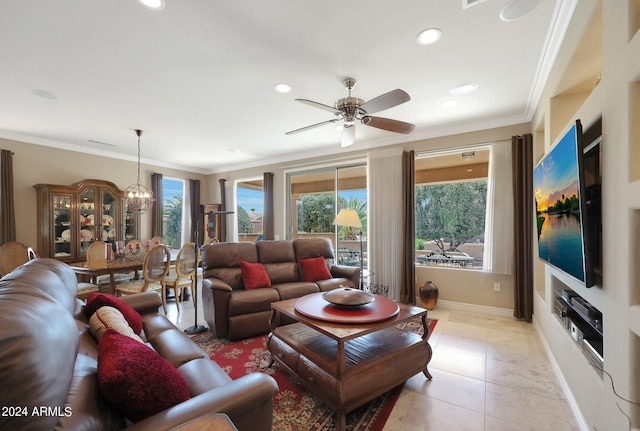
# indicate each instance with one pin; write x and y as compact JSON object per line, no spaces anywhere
{"x":429,"y":295}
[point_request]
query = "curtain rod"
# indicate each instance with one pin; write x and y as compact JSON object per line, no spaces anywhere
{"x":459,"y":149}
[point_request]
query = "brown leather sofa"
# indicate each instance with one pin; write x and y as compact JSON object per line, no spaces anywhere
{"x":48,"y":362}
{"x":235,"y":312}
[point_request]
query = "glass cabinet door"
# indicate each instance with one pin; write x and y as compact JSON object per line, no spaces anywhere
{"x":88,"y":219}
{"x":130,"y":223}
{"x":109,"y":226}
{"x":62,"y":225}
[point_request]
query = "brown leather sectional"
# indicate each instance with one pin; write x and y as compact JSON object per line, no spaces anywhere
{"x":48,"y":362}
{"x":236,"y":313}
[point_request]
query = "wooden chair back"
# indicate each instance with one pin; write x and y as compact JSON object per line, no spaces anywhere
{"x":156,"y":265}
{"x":96,"y":254}
{"x":186,"y":263}
{"x":12,"y":255}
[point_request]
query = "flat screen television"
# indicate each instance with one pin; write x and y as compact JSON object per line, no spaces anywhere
{"x":559,"y":206}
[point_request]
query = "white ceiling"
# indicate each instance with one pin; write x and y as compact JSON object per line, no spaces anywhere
{"x":198,"y":77}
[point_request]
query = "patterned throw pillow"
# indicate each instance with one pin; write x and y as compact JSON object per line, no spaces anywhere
{"x":135,"y":379}
{"x":254,"y":275}
{"x":315,"y":269}
{"x":109,"y":317}
{"x":97,"y":300}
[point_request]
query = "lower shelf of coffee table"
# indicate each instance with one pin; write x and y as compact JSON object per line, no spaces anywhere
{"x":374,"y":363}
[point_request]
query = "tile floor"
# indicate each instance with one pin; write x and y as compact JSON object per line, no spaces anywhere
{"x":490,"y":373}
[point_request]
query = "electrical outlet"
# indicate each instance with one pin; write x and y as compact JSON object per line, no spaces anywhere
{"x":496,"y":287}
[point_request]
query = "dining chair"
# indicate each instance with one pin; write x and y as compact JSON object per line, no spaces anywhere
{"x":154,"y":270}
{"x":185,"y":272}
{"x":12,"y":255}
{"x":158,"y":240}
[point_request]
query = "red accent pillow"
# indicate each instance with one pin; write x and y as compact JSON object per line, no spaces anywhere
{"x":135,"y":379}
{"x":97,"y":300}
{"x":315,"y":269}
{"x":254,"y":275}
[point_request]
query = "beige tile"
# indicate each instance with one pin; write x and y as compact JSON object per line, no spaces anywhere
{"x":458,"y":362}
{"x":463,"y":344}
{"x":430,"y":414}
{"x":526,"y":409}
{"x":530,"y":377}
{"x":452,"y":388}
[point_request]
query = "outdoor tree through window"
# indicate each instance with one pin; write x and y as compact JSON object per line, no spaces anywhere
{"x":450,"y":210}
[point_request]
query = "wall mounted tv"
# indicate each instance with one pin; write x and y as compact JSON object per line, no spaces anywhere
{"x":564,"y":209}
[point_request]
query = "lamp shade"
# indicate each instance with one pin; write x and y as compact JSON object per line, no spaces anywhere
{"x":347,"y":217}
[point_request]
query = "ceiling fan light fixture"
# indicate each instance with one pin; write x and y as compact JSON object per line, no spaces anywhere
{"x":429,"y":36}
{"x":153,"y":4}
{"x":467,"y":87}
{"x":283,"y":88}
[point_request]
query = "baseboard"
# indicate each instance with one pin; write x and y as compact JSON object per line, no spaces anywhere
{"x":573,"y":405}
{"x":494,"y":311}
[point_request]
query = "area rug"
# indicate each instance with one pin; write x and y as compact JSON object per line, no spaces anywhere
{"x":294,"y":408}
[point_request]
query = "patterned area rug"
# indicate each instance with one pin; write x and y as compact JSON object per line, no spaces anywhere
{"x":294,"y":408}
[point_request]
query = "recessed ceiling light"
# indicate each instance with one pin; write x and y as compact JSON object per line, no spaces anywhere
{"x":44,"y":94}
{"x":283,"y":88}
{"x":517,"y":9}
{"x":234,"y":150}
{"x":153,"y":4}
{"x":449,"y":103}
{"x":429,"y":36}
{"x":465,"y":88}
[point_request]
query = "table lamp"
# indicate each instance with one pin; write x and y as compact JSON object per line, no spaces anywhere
{"x":349,"y":217}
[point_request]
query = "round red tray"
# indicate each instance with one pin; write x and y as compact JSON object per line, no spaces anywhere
{"x":316,"y":307}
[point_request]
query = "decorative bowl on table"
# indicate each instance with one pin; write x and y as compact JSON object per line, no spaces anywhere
{"x":346,"y":296}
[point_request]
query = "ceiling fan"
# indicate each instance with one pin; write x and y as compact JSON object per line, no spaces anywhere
{"x":352,"y":109}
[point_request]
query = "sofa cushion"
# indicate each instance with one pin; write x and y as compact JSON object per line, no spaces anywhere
{"x":135,"y":379}
{"x":251,"y":301}
{"x":254,"y":275}
{"x":109,"y":317}
{"x":314,"y":269}
{"x":295,"y":289}
{"x":97,"y":300}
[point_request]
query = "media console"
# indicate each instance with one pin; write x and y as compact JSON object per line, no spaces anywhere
{"x":584,"y":322}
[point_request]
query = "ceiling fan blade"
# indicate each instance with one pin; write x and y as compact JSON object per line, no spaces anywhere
{"x":320,"y":105}
{"x":385,"y":101}
{"x":313,"y":126}
{"x":388,"y":124}
{"x":348,"y":136}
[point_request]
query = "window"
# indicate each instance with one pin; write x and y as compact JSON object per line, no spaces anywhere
{"x":173,"y":208}
{"x":316,"y":197}
{"x":249,"y":209}
{"x":451,"y":208}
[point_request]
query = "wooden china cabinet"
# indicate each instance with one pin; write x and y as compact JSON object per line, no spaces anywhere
{"x":71,"y":217}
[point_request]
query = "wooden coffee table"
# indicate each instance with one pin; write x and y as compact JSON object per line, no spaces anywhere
{"x":346,"y":365}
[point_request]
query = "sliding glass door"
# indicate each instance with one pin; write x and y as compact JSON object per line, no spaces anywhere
{"x":315,"y":199}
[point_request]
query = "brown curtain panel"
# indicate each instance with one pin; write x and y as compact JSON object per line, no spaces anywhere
{"x":223,"y":207}
{"x":268,"y":224}
{"x":195,"y":210}
{"x":522,"y":163}
{"x":407,"y":290}
{"x":7,"y":212}
{"x":157,"y":207}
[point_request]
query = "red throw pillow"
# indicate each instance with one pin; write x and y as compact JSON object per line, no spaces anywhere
{"x":254,"y":275}
{"x":315,"y":269}
{"x":97,"y":300}
{"x":135,"y":379}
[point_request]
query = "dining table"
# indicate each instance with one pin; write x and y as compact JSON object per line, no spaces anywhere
{"x":112,"y":267}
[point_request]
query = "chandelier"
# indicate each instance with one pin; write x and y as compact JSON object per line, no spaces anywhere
{"x":138,"y":197}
